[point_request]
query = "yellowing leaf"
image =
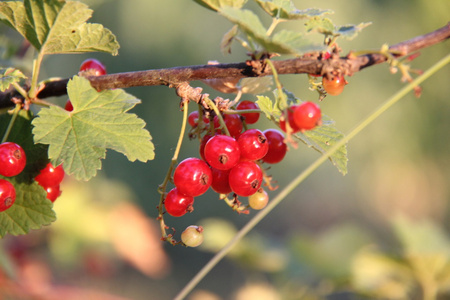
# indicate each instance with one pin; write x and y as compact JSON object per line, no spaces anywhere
{"x":79,"y":139}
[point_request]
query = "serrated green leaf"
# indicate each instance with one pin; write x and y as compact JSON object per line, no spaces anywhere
{"x":350,"y":31}
{"x":217,"y":4}
{"x":322,"y":138}
{"x":285,"y":9}
{"x":54,"y":26}
{"x":283,"y":42}
{"x":99,"y":120}
{"x":326,"y":26}
{"x":255,"y":85}
{"x":322,"y":25}
{"x":266,"y":106}
{"x":21,"y":134}
{"x":9,"y":76}
{"x":31,"y":210}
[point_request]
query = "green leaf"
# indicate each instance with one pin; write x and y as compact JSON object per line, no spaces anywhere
{"x":322,"y":138}
{"x":285,"y":9}
{"x":350,"y":31}
{"x":322,"y":25}
{"x":217,"y":4}
{"x":326,"y":26}
{"x":21,"y":134}
{"x":79,"y":139}
{"x":9,"y":76}
{"x":31,"y":210}
{"x":54,"y":26}
{"x":266,"y":106}
{"x":283,"y":42}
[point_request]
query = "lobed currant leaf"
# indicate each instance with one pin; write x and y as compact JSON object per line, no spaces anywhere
{"x":31,"y":210}
{"x":9,"y":76}
{"x":326,"y":26}
{"x":54,"y":26}
{"x":99,"y":120}
{"x":285,"y":9}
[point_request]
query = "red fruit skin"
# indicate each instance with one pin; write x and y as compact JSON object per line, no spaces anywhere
{"x":193,"y":118}
{"x":53,"y":192}
{"x":192,"y":177}
{"x":7,"y":194}
{"x":222,"y":152}
{"x":93,"y":64}
{"x":277,"y":147}
{"x":290,"y":116}
{"x":220,"y":181}
{"x":68,"y":106}
{"x":178,"y":204}
{"x":12,"y":159}
{"x":334,"y":86}
{"x":205,"y":139}
{"x":307,"y":115}
{"x":253,"y":144}
{"x":233,"y":123}
{"x":245,"y":178}
{"x":250,"y":118}
{"x":50,"y":176}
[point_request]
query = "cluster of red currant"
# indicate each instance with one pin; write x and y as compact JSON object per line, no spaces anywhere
{"x":231,"y":163}
{"x":12,"y":163}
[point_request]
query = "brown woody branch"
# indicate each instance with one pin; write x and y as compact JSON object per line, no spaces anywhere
{"x":307,"y":64}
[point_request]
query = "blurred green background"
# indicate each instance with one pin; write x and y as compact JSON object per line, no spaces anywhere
{"x":334,"y":234}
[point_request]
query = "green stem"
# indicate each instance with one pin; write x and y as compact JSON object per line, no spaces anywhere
{"x":34,"y":79}
{"x":11,"y":122}
{"x":302,"y":176}
{"x":212,"y":105}
{"x":163,"y":186}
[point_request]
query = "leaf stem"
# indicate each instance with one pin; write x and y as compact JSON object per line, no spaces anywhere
{"x":11,"y":122}
{"x":32,"y":93}
{"x":308,"y":171}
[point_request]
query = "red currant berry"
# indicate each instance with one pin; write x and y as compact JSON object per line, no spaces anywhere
{"x":93,"y":64}
{"x":222,"y":152}
{"x":50,"y":176}
{"x":53,"y":192}
{"x":193,"y":118}
{"x":177,"y":204}
{"x":7,"y":194}
{"x":253,"y":144}
{"x":250,"y":118}
{"x":245,"y":178}
{"x":277,"y":147}
{"x":192,"y":236}
{"x":12,"y":159}
{"x":192,"y":177}
{"x":335,"y":85}
{"x":307,"y":115}
{"x":259,"y":199}
{"x":220,"y":181}
{"x":289,"y":113}
{"x":205,"y":139}
{"x":233,"y":123}
{"x":68,"y":106}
